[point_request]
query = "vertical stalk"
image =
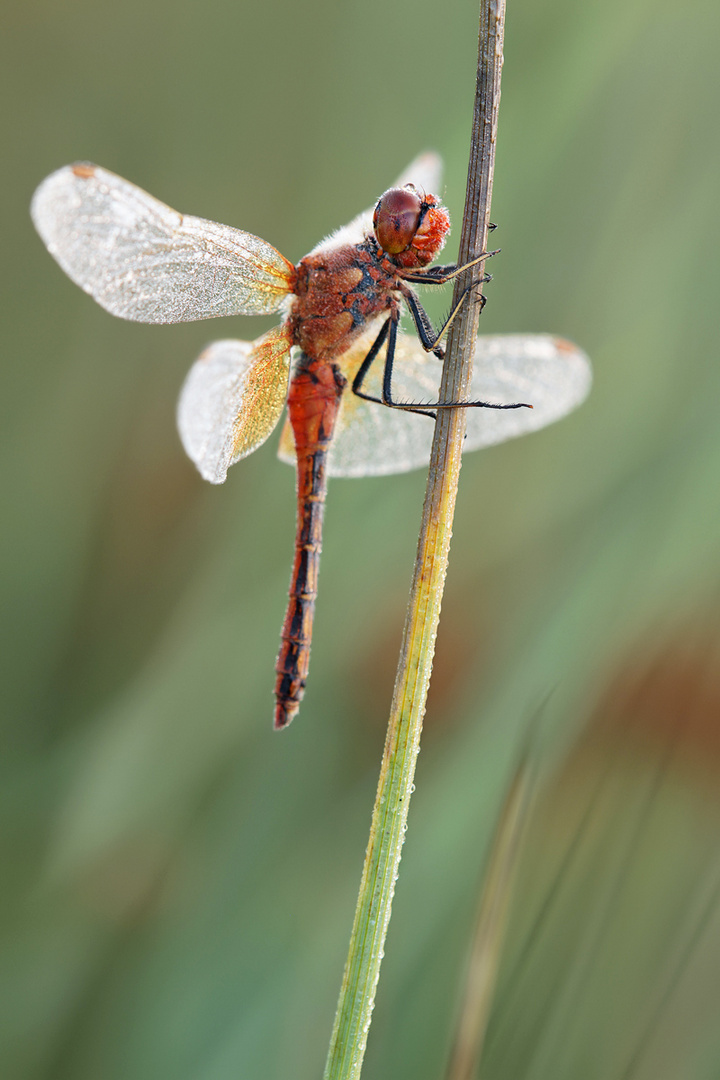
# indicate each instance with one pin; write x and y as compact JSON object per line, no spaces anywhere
{"x":389,"y":819}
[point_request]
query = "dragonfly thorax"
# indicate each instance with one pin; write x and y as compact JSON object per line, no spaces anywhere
{"x":337,"y":292}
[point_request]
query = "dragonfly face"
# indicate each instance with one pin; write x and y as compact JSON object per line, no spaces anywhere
{"x":410,"y":225}
{"x":143,"y":261}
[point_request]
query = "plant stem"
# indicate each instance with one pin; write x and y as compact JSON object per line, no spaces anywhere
{"x":387,"y":831}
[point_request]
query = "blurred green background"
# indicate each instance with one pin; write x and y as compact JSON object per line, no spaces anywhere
{"x":178,"y":881}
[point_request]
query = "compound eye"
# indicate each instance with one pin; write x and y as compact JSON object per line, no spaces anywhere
{"x":396,"y":219}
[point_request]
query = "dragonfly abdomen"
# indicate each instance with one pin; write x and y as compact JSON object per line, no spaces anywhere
{"x":313,"y":404}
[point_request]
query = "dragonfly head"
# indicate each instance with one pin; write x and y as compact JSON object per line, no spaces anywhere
{"x":409,"y":226}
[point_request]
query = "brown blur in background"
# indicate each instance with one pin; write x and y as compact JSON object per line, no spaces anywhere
{"x":178,"y":880}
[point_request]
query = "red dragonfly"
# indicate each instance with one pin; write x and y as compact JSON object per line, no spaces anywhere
{"x":143,"y":261}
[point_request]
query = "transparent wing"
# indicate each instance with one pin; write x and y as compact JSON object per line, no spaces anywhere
{"x":143,"y":261}
{"x":372,"y":440}
{"x":232,"y":399}
{"x":425,"y":172}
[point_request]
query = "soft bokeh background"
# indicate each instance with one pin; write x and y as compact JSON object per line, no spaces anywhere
{"x":178,"y":881}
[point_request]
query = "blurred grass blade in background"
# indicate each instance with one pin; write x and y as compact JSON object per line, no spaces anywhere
{"x":612,"y":929}
{"x":486,"y":948}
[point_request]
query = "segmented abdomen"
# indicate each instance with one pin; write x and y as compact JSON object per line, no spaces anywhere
{"x":313,"y":403}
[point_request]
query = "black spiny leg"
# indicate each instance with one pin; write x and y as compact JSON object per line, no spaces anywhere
{"x":439,"y":275}
{"x":429,"y":337}
{"x":367,"y":363}
{"x":389,"y":331}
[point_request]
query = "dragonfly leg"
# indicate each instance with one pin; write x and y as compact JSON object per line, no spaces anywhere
{"x":440,"y":275}
{"x":429,"y":337}
{"x":368,"y":361}
{"x":388,"y":331}
{"x":423,"y":408}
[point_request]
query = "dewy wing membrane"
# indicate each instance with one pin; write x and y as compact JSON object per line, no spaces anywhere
{"x":143,"y":261}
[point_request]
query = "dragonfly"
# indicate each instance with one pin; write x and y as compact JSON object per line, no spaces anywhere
{"x":353,"y":383}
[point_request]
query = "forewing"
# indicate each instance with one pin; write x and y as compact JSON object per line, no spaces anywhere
{"x":372,"y":440}
{"x":232,"y":399}
{"x":143,"y":261}
{"x":425,"y":172}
